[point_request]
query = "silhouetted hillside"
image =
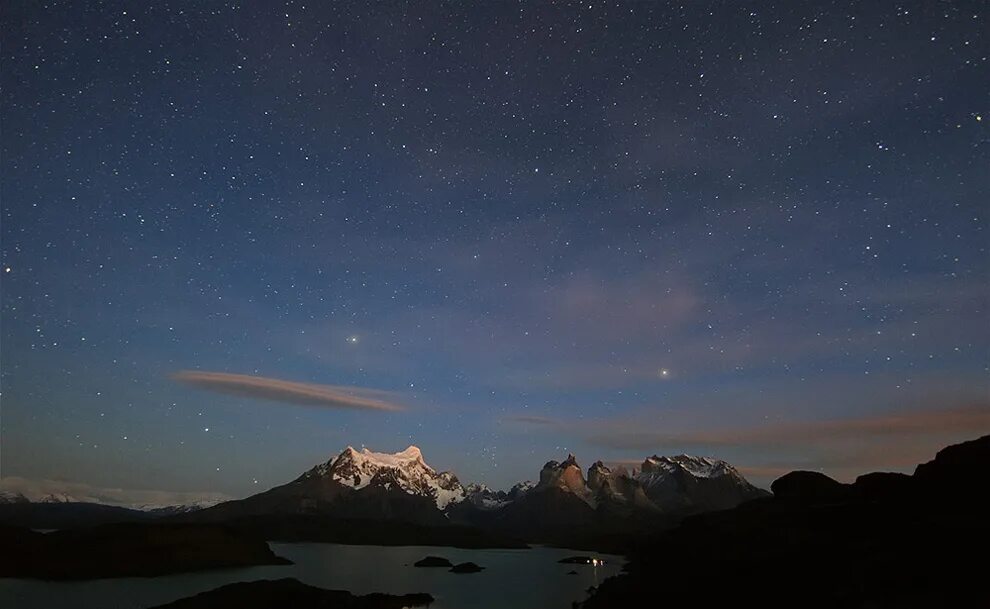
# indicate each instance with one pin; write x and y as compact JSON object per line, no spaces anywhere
{"x":888,"y":540}
{"x":68,"y":515}
{"x":128,"y":550}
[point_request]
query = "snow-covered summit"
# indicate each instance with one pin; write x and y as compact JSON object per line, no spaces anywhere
{"x":182,"y":508}
{"x":684,"y":482}
{"x":521,"y":488}
{"x":406,"y":469}
{"x":699,"y":467}
{"x":13,"y":497}
{"x":58,"y":498}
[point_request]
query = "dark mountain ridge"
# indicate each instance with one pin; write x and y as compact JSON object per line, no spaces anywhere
{"x":886,"y":540}
{"x":128,"y":550}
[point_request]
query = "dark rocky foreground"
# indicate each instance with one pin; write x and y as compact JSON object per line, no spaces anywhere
{"x":433,"y":561}
{"x":128,"y":550}
{"x":887,"y":540}
{"x":288,"y":592}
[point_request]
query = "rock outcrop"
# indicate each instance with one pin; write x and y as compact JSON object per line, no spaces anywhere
{"x":289,"y":592}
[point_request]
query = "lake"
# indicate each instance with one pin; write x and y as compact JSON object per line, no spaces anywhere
{"x":522,"y":579}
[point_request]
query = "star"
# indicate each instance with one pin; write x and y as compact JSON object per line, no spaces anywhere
{"x":512,"y":240}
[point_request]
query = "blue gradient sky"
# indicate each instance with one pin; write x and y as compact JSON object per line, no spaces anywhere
{"x":609,"y":229}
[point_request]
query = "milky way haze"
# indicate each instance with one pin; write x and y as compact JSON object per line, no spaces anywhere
{"x":514,"y":230}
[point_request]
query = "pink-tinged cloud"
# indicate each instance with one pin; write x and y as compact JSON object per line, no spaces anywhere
{"x":842,"y":448}
{"x":277,"y":390}
{"x":974,"y":420}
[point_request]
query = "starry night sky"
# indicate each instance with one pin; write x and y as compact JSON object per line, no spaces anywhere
{"x":748,"y":230}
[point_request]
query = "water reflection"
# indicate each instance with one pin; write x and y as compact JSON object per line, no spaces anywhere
{"x":521,"y":579}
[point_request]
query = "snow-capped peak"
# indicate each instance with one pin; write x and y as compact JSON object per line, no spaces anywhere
{"x":385,"y":459}
{"x":182,"y":508}
{"x":12,"y":497}
{"x":58,"y":498}
{"x":683,"y":482}
{"x":521,"y":488}
{"x":699,"y":467}
{"x":407,"y":469}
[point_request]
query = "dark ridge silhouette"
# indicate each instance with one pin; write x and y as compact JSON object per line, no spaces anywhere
{"x":954,"y":470}
{"x":808,"y":487}
{"x":886,"y":541}
{"x":883,"y":486}
{"x":288,"y":592}
{"x":68,"y":515}
{"x":128,"y":550}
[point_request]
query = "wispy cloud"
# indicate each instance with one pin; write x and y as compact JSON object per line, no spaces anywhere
{"x":39,"y":489}
{"x":277,"y":390}
{"x":530,"y":419}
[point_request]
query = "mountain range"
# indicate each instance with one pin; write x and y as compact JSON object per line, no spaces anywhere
{"x":361,"y":487}
{"x":16,"y":498}
{"x":675,"y":484}
{"x":362,"y":490}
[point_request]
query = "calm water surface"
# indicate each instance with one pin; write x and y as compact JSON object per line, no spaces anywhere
{"x":519,"y":579}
